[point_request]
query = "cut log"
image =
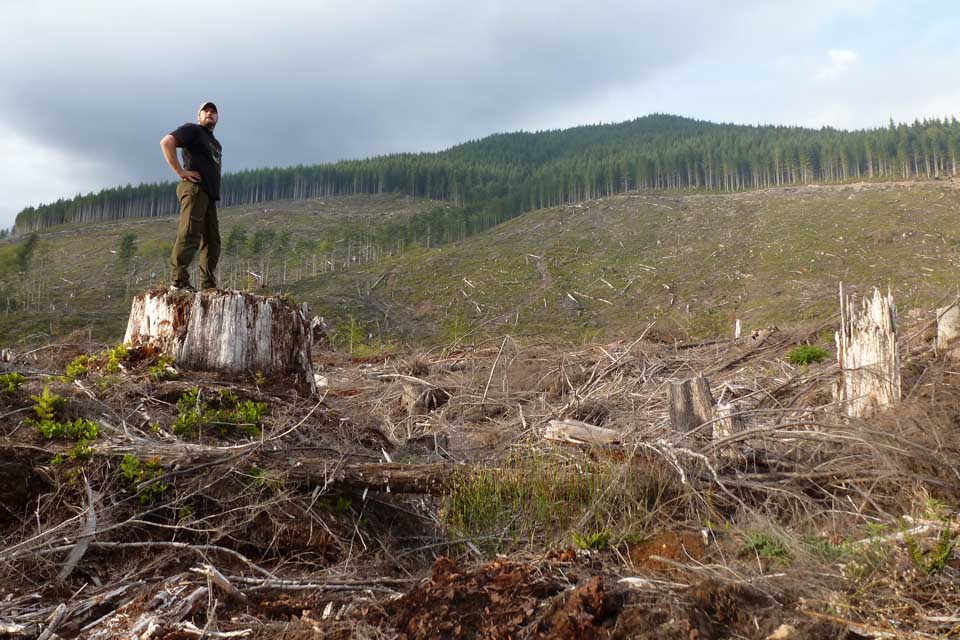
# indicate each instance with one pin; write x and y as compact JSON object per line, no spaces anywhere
{"x":226,"y":331}
{"x":948,"y":331}
{"x":691,"y":404}
{"x":867,"y":354}
{"x":578,"y":432}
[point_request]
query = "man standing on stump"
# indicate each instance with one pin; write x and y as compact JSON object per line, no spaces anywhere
{"x":198,"y":193}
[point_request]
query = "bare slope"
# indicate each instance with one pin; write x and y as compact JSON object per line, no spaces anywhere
{"x":76,"y":278}
{"x":692,"y":263}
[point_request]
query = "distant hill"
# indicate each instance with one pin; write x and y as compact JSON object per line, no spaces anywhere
{"x":497,"y":177}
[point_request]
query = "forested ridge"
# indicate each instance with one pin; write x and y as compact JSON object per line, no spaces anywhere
{"x":499,"y":176}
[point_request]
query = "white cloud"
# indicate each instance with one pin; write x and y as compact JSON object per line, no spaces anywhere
{"x":841,"y":62}
{"x":33,"y":173}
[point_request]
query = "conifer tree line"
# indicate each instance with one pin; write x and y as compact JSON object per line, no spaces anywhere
{"x":503,"y":175}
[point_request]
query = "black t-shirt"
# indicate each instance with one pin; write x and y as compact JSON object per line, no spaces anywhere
{"x":201,"y":152}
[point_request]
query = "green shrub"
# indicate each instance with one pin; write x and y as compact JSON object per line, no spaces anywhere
{"x":79,"y":429}
{"x":163,"y":370}
{"x":78,"y":367}
{"x":82,"y":430}
{"x":116,"y":356}
{"x":768,"y":547}
{"x":10,"y":382}
{"x":138,"y":473}
{"x":807,"y":354}
{"x":828,"y":550}
{"x":343,"y":505}
{"x":47,"y":403}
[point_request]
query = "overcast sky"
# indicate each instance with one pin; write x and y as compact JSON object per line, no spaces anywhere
{"x":88,"y":88}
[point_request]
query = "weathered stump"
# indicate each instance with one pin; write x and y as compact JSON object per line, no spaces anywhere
{"x":867,"y":354}
{"x":226,"y":331}
{"x":691,"y":404}
{"x":948,"y":331}
{"x":420,"y":397}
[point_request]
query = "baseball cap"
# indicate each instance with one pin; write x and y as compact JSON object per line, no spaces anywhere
{"x":207,"y":104}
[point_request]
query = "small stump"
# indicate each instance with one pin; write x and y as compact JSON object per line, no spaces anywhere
{"x":225,"y":331}
{"x":867,"y":354}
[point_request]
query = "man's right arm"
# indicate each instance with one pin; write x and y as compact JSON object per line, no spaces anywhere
{"x":169,"y":144}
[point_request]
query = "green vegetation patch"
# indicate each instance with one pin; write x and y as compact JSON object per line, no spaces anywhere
{"x":82,"y":430}
{"x":222,"y":411}
{"x":807,"y":354}
{"x":548,"y":500}
{"x":110,"y":361}
{"x":78,"y":367}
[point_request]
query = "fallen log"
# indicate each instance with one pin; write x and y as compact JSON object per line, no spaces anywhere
{"x":307,"y":471}
{"x":577,"y":432}
{"x":391,"y":477}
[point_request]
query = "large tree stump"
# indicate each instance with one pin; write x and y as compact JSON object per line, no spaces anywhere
{"x":226,"y":331}
{"x":867,"y":353}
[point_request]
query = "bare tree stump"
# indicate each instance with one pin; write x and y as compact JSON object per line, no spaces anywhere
{"x":948,"y":331}
{"x":421,"y":397}
{"x":867,"y":354}
{"x":691,"y":404}
{"x":726,"y":421}
{"x":318,"y":333}
{"x":226,"y":331}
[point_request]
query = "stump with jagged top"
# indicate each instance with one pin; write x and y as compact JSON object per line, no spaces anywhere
{"x":226,"y":331}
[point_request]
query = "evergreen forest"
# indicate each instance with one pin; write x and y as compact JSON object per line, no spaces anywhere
{"x":495,"y":178}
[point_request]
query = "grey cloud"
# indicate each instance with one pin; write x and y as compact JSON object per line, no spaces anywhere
{"x":304,"y":82}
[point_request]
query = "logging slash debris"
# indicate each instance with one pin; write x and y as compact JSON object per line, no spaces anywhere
{"x":498,"y":490}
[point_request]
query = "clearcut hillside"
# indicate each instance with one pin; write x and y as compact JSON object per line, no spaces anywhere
{"x":689,"y":265}
{"x":377,"y":270}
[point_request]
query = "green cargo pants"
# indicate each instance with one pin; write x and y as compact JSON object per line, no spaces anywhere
{"x":198,"y":229}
